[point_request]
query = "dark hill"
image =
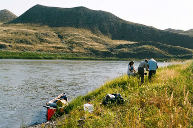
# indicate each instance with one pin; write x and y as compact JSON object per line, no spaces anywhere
{"x":6,"y":16}
{"x":101,"y":22}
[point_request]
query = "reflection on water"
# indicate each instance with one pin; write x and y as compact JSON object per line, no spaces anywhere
{"x":26,"y":85}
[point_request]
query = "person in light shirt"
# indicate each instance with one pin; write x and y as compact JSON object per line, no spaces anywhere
{"x":131,"y":70}
{"x":152,"y":64}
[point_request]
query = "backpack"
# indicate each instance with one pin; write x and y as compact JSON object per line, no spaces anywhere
{"x":113,"y":98}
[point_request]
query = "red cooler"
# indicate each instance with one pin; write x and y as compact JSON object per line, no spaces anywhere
{"x":50,"y":113}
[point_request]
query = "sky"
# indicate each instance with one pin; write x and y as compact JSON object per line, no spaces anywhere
{"x":161,"y":14}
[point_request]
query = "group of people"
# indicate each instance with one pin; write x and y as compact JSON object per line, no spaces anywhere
{"x":148,"y":65}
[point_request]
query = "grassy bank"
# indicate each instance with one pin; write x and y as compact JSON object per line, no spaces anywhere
{"x":166,"y":101}
{"x":44,"y":55}
{"x":4,"y":54}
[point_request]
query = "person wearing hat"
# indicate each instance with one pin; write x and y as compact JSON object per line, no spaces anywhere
{"x":142,"y":65}
{"x":131,"y":70}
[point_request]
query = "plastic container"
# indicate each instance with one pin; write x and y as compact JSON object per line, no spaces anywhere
{"x":88,"y":107}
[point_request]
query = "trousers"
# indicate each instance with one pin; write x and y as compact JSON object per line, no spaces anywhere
{"x":141,"y":74}
{"x":151,"y":73}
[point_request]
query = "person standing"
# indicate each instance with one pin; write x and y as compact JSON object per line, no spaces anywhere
{"x":142,"y":65}
{"x":131,"y":70}
{"x":152,"y":64}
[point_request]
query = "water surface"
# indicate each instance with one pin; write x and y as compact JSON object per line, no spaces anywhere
{"x":26,"y":85}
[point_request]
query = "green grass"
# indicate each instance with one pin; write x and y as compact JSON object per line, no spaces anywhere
{"x":45,"y":55}
{"x":166,"y":101}
{"x":4,"y":54}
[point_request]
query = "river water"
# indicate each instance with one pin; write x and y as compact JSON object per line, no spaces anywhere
{"x":26,"y":85}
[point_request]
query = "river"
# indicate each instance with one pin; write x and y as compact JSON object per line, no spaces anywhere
{"x":26,"y":85}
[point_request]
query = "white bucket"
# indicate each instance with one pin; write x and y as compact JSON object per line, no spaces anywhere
{"x":88,"y":107}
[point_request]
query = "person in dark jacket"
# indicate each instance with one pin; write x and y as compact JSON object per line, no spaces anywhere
{"x":142,"y":65}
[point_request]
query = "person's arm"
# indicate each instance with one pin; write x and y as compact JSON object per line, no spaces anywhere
{"x":134,"y":70}
{"x":147,"y":67}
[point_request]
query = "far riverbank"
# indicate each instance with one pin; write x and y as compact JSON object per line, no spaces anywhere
{"x":72,"y":56}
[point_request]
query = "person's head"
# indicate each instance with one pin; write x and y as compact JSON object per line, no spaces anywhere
{"x":146,"y":60}
{"x":131,"y":63}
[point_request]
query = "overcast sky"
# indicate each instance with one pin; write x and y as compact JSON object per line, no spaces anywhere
{"x":162,"y":14}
